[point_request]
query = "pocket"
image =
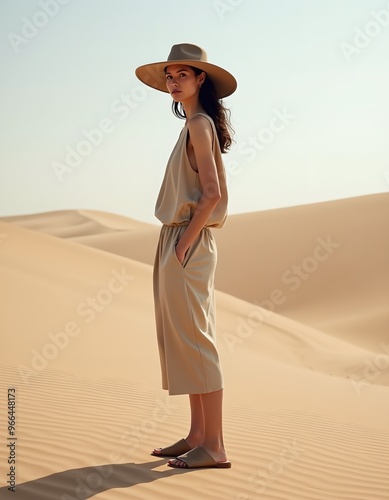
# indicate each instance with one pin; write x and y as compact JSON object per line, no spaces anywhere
{"x":186,"y":258}
{"x":175,"y":255}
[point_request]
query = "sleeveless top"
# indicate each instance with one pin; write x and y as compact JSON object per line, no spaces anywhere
{"x":181,"y":189}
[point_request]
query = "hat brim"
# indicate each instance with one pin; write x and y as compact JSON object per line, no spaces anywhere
{"x":153,"y":75}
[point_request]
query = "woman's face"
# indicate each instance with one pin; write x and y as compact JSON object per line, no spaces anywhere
{"x":182,"y":82}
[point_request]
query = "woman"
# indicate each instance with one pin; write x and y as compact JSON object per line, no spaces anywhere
{"x":192,"y":199}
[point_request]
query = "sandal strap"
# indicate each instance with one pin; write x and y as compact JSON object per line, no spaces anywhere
{"x":198,"y":457}
{"x":175,"y":449}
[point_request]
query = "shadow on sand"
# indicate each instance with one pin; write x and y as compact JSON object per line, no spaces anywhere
{"x":86,"y":482}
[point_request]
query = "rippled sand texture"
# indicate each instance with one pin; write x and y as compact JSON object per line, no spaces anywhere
{"x":303,"y":333}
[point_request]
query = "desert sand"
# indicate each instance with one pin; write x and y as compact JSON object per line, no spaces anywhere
{"x":303,"y":333}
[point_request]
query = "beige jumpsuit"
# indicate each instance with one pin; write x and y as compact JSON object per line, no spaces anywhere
{"x":184,"y":293}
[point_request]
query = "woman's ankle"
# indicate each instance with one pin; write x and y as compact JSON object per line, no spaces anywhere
{"x":194,"y":438}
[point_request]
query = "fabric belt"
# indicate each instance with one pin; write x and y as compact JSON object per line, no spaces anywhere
{"x":174,"y":224}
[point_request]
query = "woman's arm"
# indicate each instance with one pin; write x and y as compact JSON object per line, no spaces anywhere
{"x":200,"y":133}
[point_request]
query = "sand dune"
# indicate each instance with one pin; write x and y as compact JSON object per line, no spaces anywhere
{"x":329,"y":261}
{"x":291,"y":259}
{"x":307,"y":370}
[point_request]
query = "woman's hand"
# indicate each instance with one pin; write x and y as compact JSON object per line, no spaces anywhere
{"x":180,"y":252}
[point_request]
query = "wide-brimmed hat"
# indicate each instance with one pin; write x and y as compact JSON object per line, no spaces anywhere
{"x":153,"y":74}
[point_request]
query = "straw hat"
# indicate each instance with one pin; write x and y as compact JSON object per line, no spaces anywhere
{"x":153,"y":74}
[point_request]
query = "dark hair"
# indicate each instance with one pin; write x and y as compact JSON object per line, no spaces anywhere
{"x":214,"y":108}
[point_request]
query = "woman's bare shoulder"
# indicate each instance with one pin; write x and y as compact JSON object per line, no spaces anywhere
{"x":199,"y":122}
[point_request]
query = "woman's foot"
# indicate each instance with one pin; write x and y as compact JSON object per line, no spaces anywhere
{"x":179,"y":448}
{"x":173,"y":450}
{"x":200,"y":457}
{"x":218,"y":454}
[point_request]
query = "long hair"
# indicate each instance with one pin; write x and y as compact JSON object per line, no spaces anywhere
{"x":214,"y":108}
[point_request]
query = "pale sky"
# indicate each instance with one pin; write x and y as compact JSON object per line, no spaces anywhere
{"x":311,"y":112}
